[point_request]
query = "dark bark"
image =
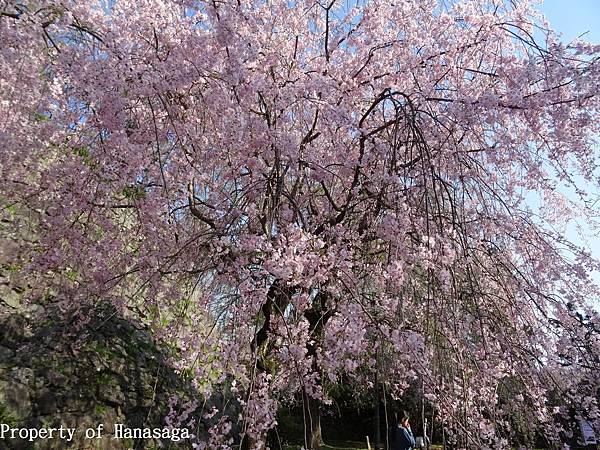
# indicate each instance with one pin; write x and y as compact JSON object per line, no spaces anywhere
{"x":278,"y":297}
{"x":317,"y":317}
{"x":313,"y":437}
{"x":377,"y":413}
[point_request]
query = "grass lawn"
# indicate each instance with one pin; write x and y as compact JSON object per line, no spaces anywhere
{"x":334,"y":446}
{"x":347,"y":445}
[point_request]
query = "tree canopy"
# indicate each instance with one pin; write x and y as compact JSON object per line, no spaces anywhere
{"x":293,"y":193}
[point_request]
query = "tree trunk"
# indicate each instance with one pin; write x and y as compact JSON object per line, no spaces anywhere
{"x":313,"y":438}
{"x":377,"y":413}
{"x":278,"y":297}
{"x":317,"y":317}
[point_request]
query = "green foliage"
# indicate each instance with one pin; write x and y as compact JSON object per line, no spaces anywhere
{"x":7,"y":417}
{"x":11,"y":210}
{"x":127,"y":443}
{"x":134,"y":192}
{"x":60,"y":367}
{"x":82,"y":151}
{"x":71,"y":274}
{"x":105,"y":352}
{"x":40,"y":117}
{"x":106,"y":380}
{"x":100,"y":409}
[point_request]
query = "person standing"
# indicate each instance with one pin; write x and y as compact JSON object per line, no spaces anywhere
{"x":401,"y":436}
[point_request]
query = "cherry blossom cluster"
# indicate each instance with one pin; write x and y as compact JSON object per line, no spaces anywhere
{"x":296,"y":194}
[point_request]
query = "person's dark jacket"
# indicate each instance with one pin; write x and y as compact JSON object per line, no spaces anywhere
{"x":401,"y":438}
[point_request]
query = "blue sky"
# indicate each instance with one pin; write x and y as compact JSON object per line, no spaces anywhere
{"x":573,"y":18}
